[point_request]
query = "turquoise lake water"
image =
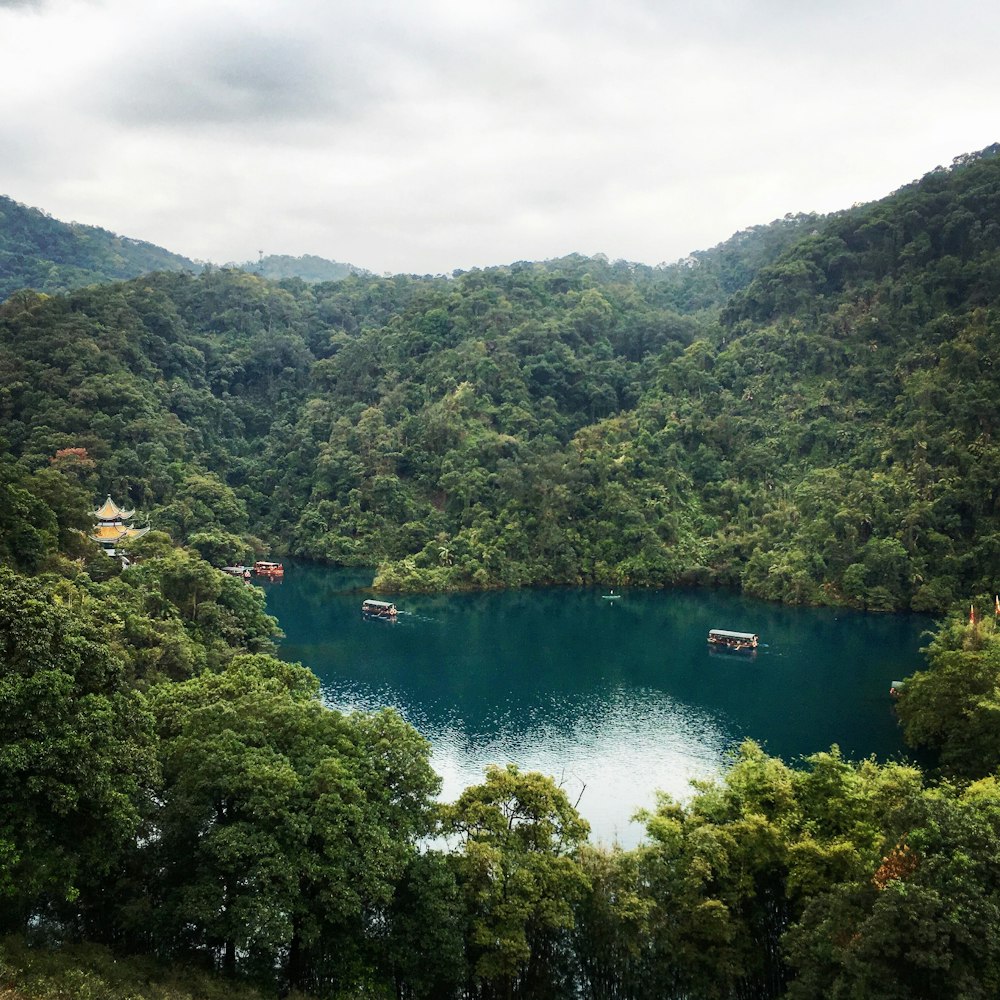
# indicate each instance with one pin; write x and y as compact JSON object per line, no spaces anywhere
{"x":615,"y":699}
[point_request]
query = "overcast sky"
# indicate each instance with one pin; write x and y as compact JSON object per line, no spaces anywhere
{"x":428,"y":135}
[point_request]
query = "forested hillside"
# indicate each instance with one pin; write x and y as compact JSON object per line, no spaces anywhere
{"x":43,"y":254}
{"x":39,"y":252}
{"x":807,"y":411}
{"x":170,"y":790}
{"x":308,"y":267}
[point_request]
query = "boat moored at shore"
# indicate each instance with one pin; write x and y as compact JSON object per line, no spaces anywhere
{"x":271,"y":569}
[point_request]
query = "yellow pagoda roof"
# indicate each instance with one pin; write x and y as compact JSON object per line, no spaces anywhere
{"x":109,"y":533}
{"x":116,"y":532}
{"x":110,"y":511}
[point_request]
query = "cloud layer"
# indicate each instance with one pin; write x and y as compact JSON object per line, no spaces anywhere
{"x":441,"y":134}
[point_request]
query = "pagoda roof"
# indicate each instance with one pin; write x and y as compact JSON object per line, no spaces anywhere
{"x":110,"y":511}
{"x":116,"y":532}
{"x":109,"y":532}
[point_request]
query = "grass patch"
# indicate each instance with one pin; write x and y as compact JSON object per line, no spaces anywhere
{"x":92,"y":972}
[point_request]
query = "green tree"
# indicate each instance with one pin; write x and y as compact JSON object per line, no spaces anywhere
{"x":76,"y":747}
{"x":221,"y":548}
{"x":28,"y":528}
{"x":612,"y":926}
{"x":918,"y":924}
{"x":954,"y":705}
{"x":217,"y":610}
{"x":283,"y":826}
{"x":716,"y":872}
{"x":517,"y":834}
{"x":426,"y":944}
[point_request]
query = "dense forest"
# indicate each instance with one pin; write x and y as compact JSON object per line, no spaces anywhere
{"x":39,"y":252}
{"x":805,"y":411}
{"x":308,"y":267}
{"x":170,"y":789}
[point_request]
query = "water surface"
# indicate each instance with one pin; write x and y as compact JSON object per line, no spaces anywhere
{"x":615,"y":699}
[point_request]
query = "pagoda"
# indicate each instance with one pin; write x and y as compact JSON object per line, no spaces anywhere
{"x":112,"y":527}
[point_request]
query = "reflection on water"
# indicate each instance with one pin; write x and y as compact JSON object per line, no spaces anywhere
{"x":615,"y":699}
{"x":610,"y":752}
{"x":609,"y":755}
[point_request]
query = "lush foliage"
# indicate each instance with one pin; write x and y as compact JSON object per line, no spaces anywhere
{"x":308,"y":267}
{"x":517,"y":837}
{"x":171,"y":790}
{"x":953,"y":706}
{"x":37,"y":251}
{"x":166,"y":789}
{"x":94,"y":972}
{"x":805,"y":411}
{"x":76,"y":748}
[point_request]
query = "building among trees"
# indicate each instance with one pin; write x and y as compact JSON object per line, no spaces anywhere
{"x":112,"y":527}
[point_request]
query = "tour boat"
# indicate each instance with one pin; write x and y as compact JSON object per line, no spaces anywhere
{"x":379,"y":609}
{"x":271,"y":569}
{"x":738,"y":641}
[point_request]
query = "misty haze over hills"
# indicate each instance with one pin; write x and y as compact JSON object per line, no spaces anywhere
{"x":51,"y":256}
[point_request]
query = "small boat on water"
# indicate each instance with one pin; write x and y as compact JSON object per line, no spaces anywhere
{"x":379,"y":609}
{"x":740,"y":642}
{"x":611,"y":597}
{"x":271,"y":569}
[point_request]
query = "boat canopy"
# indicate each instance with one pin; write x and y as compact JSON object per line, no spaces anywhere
{"x":726,"y":634}
{"x":376,"y":604}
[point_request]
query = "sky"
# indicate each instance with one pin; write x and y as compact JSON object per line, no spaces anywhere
{"x":424,"y":136}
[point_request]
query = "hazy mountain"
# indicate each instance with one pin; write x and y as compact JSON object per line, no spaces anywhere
{"x":308,"y":267}
{"x":39,"y":252}
{"x":47,"y":255}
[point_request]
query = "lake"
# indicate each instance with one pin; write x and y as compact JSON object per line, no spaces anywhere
{"x":615,"y":699}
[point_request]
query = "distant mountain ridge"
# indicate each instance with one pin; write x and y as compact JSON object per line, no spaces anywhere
{"x":50,"y":256}
{"x":806,"y":411}
{"x":308,"y":267}
{"x":39,"y":252}
{"x":47,"y":255}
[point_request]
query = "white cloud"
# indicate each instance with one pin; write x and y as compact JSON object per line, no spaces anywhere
{"x":443,"y":134}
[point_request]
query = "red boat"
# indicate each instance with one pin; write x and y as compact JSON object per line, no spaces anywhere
{"x":271,"y":569}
